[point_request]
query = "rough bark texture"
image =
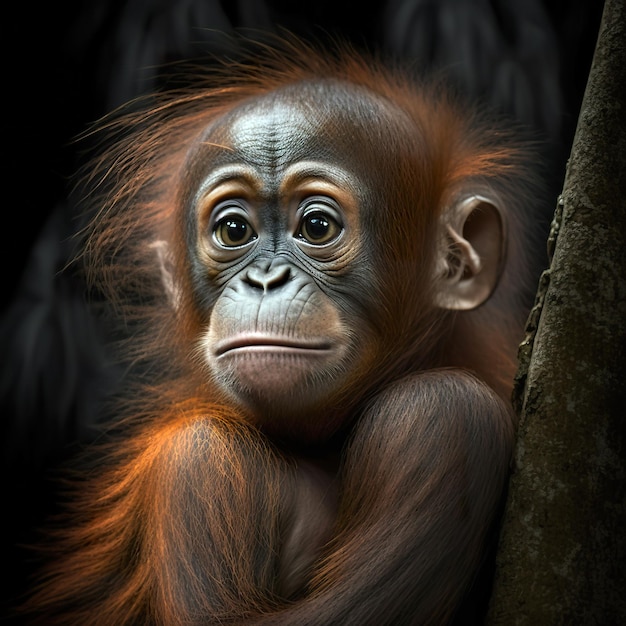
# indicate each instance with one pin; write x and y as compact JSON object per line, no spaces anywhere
{"x":562,"y":555}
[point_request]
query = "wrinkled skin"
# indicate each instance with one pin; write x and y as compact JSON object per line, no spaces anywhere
{"x":331,"y":441}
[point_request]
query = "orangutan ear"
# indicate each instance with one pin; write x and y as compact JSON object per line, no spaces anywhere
{"x":165,"y":260}
{"x":472,"y":257}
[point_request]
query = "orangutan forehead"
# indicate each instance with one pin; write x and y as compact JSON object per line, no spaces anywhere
{"x":325,"y":120}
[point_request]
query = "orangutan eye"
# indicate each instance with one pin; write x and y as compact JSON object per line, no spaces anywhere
{"x":233,"y":232}
{"x":318,"y":225}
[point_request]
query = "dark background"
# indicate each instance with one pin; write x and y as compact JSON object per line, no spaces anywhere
{"x":66,"y":64}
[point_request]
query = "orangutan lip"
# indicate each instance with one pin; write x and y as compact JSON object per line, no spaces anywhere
{"x":269,"y":344}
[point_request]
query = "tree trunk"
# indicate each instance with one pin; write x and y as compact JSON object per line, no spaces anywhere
{"x":562,"y":554}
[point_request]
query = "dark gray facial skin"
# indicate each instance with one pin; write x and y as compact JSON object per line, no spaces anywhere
{"x":281,"y":254}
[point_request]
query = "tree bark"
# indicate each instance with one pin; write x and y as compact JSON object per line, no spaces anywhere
{"x":562,"y":553}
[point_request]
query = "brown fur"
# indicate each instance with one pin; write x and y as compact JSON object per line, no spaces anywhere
{"x":191,"y":515}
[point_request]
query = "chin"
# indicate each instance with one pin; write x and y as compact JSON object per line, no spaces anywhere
{"x":282,"y":387}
